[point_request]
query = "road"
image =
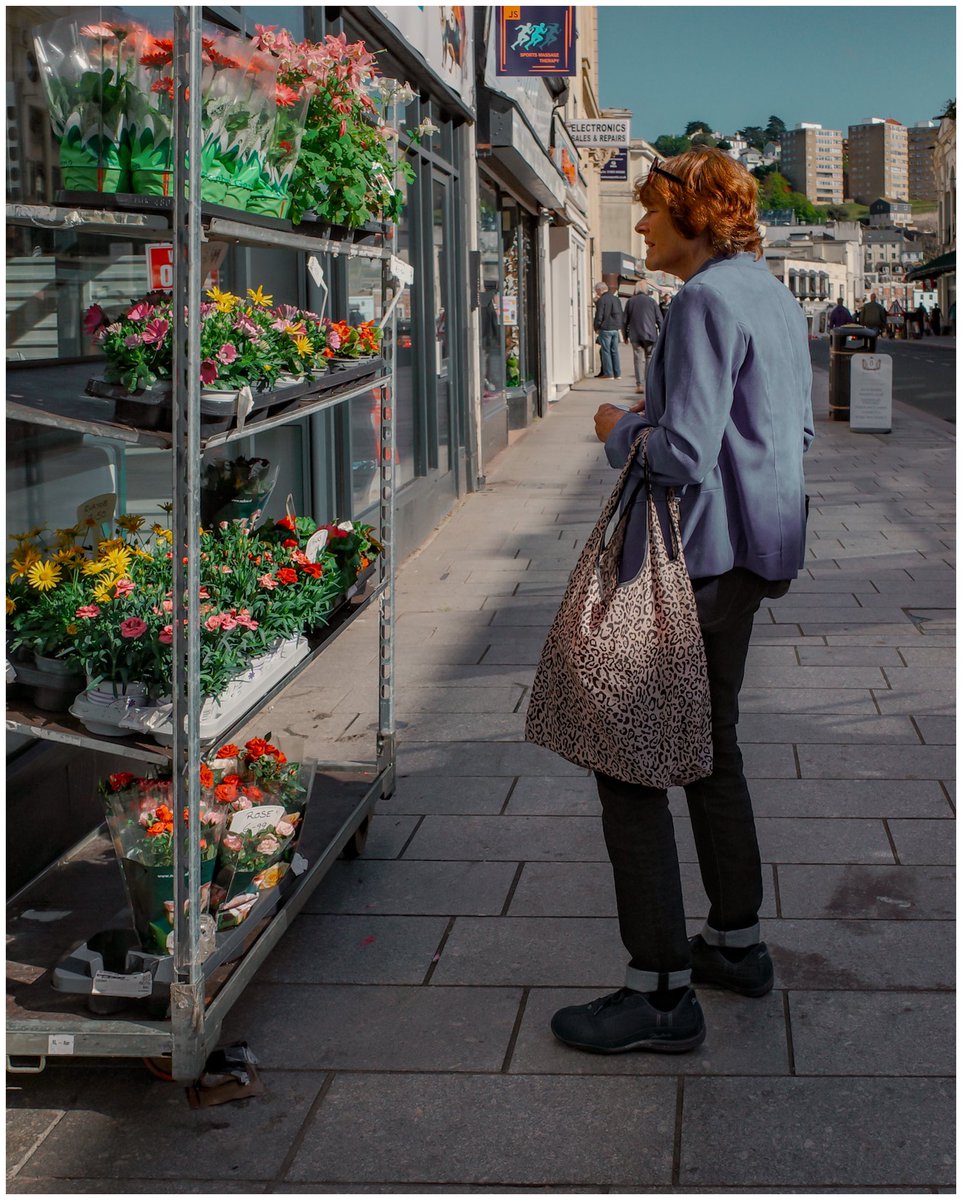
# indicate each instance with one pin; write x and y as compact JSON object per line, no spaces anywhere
{"x":921,"y":376}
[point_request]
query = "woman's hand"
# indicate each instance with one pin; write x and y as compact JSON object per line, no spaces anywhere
{"x":606,"y":418}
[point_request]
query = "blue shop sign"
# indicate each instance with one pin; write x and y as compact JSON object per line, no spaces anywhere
{"x":616,"y":168}
{"x":536,"y":40}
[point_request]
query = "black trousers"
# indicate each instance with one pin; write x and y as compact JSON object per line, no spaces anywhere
{"x":638,"y":826}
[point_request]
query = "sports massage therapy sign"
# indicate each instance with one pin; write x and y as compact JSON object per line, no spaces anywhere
{"x":536,"y":40}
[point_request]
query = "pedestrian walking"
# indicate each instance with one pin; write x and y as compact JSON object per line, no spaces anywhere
{"x":839,"y":315}
{"x":921,"y":316}
{"x":730,"y":414}
{"x":609,"y":320}
{"x":935,"y":318}
{"x":873,"y":315}
{"x":642,"y":326}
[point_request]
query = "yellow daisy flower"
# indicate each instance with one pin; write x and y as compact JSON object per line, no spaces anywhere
{"x":119,"y":560}
{"x":260,"y":298}
{"x":138,"y":553}
{"x":73,"y":630}
{"x":167,"y":507}
{"x":130,"y":522}
{"x":44,"y":576}
{"x":96,"y":567}
{"x":103,"y":593}
{"x":166,"y":535}
{"x":20,"y":566}
{"x":303,"y":346}
{"x":11,"y":607}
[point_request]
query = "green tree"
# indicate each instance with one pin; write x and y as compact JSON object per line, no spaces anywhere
{"x":697,"y":127}
{"x":669,"y":144}
{"x":775,"y":128}
{"x":763,"y":172}
{"x":774,"y":191}
{"x":702,"y":139}
{"x":724,"y":144}
{"x":837,"y":212}
{"x":755,"y":136}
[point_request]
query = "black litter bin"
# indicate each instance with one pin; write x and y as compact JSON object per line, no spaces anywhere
{"x":846,"y":340}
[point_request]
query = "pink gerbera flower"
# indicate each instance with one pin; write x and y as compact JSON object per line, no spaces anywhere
{"x":94,"y":319}
{"x":156,"y":331}
{"x":133,"y":627}
{"x":141,"y":311}
{"x":227,"y":353}
{"x":208,"y":371}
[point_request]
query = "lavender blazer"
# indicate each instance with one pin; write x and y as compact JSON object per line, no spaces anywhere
{"x":729,"y":393}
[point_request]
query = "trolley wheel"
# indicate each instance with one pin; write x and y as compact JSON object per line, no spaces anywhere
{"x":354,"y":848}
{"x":160,"y":1068}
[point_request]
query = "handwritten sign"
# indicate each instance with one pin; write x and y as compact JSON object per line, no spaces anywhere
{"x":253,"y":820}
{"x":98,"y":508}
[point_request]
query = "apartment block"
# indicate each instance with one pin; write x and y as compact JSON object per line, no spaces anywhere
{"x":878,"y":160}
{"x":812,"y":162}
{"x":922,"y":137}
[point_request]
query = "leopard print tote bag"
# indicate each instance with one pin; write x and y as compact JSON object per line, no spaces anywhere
{"x":622,"y":684}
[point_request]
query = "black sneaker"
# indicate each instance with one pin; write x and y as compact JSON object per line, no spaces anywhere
{"x":751,"y":975}
{"x":625,"y":1020}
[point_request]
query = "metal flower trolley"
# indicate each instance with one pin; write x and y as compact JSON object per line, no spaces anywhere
{"x":186,"y":996}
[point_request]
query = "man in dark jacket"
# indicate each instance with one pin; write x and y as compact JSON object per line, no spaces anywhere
{"x":642,"y":326}
{"x":873,"y":315}
{"x":609,"y":322}
{"x":839,"y":315}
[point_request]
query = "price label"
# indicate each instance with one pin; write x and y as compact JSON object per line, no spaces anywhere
{"x":315,"y":544}
{"x":403,"y":272}
{"x":111,"y":983}
{"x":160,"y":267}
{"x":253,"y":820}
{"x":315,"y":270}
{"x":243,"y":405}
{"x":97,"y":508}
{"x":60,"y":1043}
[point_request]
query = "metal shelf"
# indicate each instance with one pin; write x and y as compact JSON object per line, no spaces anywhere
{"x":53,"y":395}
{"x":200,"y":998}
{"x":26,"y":719}
{"x":147,"y":218}
{"x":87,"y":882}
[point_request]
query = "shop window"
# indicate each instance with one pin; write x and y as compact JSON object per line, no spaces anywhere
{"x":492,"y":341}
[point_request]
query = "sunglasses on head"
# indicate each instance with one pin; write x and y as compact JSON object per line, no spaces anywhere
{"x":657,"y":169}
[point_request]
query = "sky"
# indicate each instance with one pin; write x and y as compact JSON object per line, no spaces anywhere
{"x":737,"y":65}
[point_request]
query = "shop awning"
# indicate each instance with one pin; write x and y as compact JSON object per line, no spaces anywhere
{"x":943,"y":265}
{"x":516,"y":148}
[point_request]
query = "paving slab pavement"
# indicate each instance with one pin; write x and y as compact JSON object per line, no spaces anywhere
{"x":402,"y":1021}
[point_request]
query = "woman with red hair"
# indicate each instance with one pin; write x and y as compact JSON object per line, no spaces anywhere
{"x":729,"y":406}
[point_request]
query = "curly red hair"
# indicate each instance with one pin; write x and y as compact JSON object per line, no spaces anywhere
{"x":719,"y":196}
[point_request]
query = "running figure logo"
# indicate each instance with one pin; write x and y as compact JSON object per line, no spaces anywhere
{"x":531,"y":36}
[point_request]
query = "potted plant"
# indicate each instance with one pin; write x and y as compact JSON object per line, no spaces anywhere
{"x":141,"y":819}
{"x":46,"y":584}
{"x":85,"y":68}
{"x":348,"y":345}
{"x":235,"y":488}
{"x":344,"y":173}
